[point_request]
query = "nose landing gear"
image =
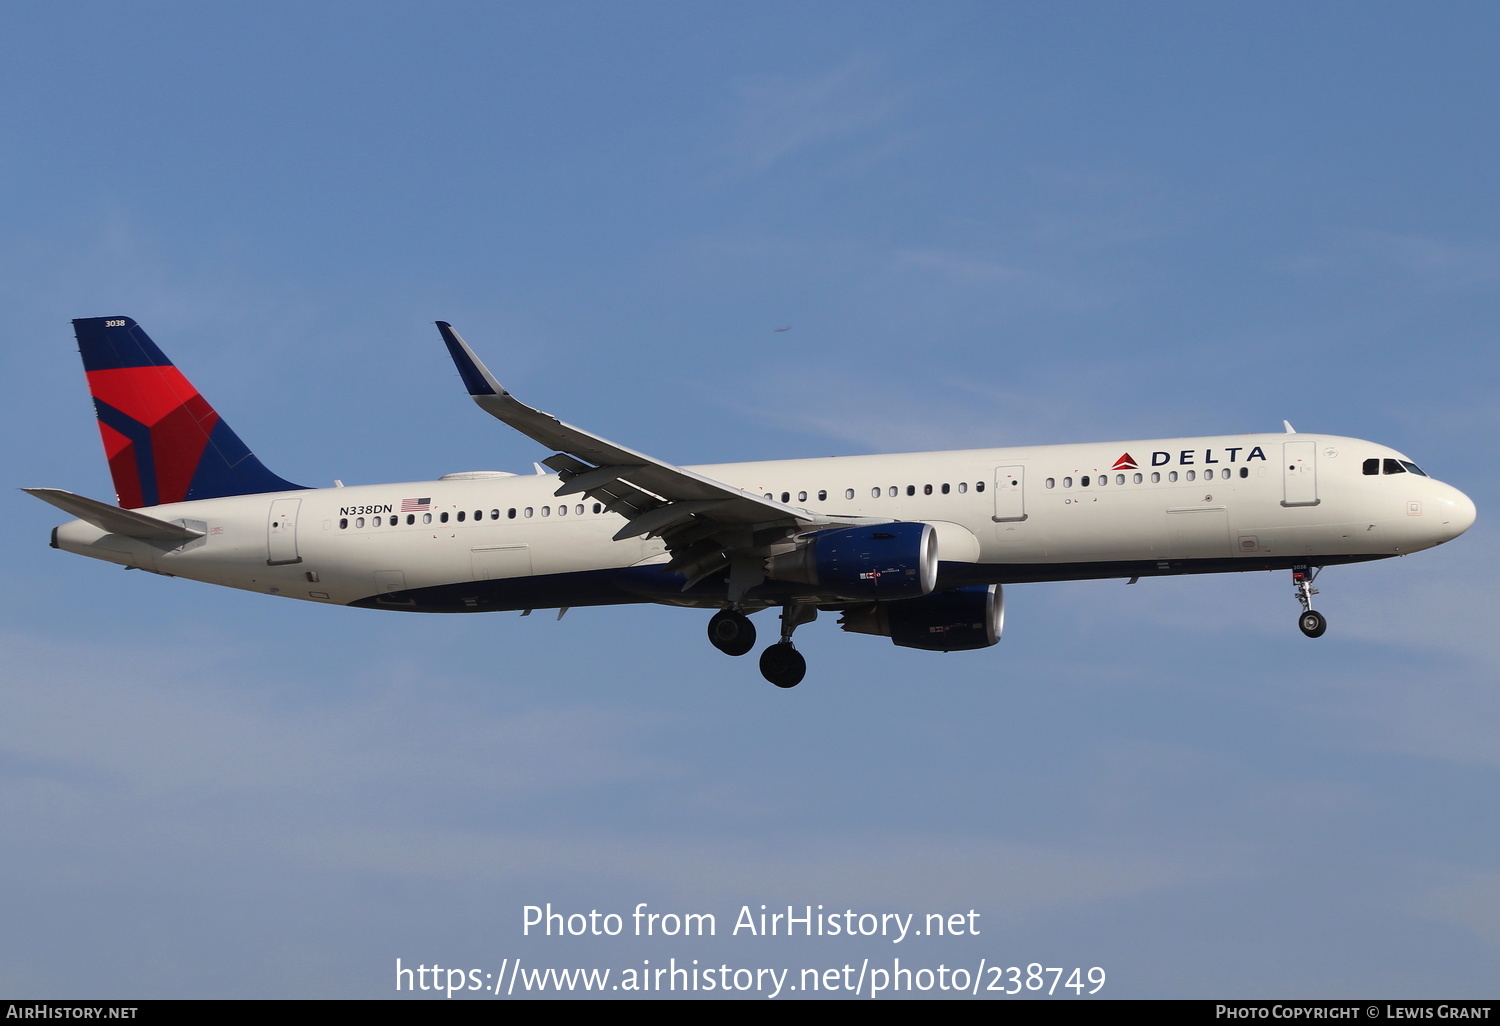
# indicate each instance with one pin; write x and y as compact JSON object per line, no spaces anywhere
{"x":1311,"y":622}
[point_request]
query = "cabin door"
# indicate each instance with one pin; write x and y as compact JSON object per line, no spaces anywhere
{"x":1010,"y":498}
{"x":281,"y":533}
{"x":1299,"y":469}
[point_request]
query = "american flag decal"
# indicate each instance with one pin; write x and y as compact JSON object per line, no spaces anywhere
{"x":415,"y":505}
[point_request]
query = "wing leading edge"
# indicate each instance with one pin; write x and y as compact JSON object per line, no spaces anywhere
{"x":707,"y":525}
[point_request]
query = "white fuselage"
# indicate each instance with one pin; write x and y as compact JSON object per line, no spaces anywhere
{"x":1111,"y":509}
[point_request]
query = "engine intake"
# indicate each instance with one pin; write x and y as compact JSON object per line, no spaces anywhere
{"x":885,"y":561}
{"x":960,"y":620}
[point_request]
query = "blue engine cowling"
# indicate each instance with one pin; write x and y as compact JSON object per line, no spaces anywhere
{"x":883,"y":561}
{"x":948,"y":621}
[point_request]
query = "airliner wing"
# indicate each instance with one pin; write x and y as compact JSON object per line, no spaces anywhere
{"x":698,"y":518}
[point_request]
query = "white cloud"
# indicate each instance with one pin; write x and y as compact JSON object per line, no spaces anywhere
{"x":1435,"y":262}
{"x":1467,"y":899}
{"x":784,"y":116}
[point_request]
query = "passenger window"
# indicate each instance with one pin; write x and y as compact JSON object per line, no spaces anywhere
{"x":411,"y":518}
{"x":1051,"y":482}
{"x":1103,"y":480}
{"x":579,"y":510}
{"x":510,"y":514}
{"x":874,"y":493}
{"x":359,"y":521}
{"x":927,"y":489}
{"x":1083,"y":482}
{"x":1172,"y":475}
{"x":344,"y":524}
{"x":786,"y":496}
{"x":963,"y":486}
{"x":1191,"y":474}
{"x":527,"y":513}
{"x":911,"y":489}
{"x":1244,"y":472}
{"x":1138,"y":479}
{"x":546,"y":511}
{"x":443,"y":518}
{"x":894,"y":491}
{"x":1067,"y":482}
{"x":848,"y":493}
{"x":979,"y":486}
{"x":461,"y":516}
{"x":562,"y":511}
{"x":801,"y":496}
{"x":1119,"y":479}
{"x":1156,"y":477}
{"x":375,"y":522}
{"x":945,"y":487}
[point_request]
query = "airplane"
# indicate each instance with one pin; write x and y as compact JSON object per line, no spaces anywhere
{"x":915,"y":547}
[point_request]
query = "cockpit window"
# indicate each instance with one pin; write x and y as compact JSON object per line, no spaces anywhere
{"x":1413,"y":468}
{"x":1394,"y":467}
{"x":1372,"y":467}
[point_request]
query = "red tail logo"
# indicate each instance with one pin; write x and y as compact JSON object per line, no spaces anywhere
{"x":163,"y":440}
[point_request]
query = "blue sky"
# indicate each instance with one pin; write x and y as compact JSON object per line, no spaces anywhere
{"x":986,"y":224}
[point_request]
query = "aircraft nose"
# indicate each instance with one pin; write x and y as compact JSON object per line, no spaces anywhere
{"x":1459,"y":513}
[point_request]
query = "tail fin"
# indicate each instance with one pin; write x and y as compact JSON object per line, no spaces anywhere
{"x":163,"y":440}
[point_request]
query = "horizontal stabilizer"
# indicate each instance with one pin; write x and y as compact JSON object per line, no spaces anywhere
{"x":114,"y":519}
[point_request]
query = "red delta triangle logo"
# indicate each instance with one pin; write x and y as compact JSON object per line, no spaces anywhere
{"x":1126,"y":462}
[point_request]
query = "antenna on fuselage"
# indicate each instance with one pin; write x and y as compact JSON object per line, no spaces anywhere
{"x":1288,"y":425}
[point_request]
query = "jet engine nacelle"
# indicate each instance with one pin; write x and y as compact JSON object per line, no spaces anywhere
{"x":883,"y":561}
{"x":949,"y":621}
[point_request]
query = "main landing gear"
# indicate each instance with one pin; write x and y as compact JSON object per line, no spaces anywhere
{"x":782,"y":664}
{"x":1311,"y":622}
{"x":732,"y":633}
